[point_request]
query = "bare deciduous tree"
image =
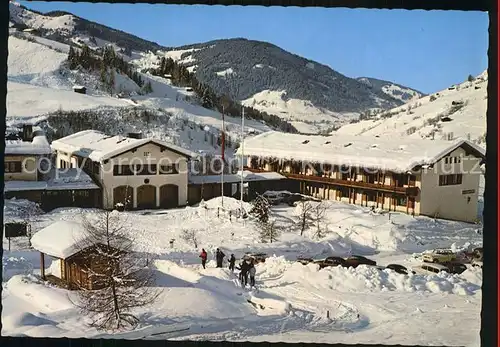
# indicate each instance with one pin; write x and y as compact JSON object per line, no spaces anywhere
{"x":269,"y":232}
{"x":318,"y":218}
{"x":190,"y":237}
{"x":113,"y":265}
{"x":304,"y":218}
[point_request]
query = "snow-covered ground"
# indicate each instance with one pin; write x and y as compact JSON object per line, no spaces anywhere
{"x":421,"y":118}
{"x":365,"y":305}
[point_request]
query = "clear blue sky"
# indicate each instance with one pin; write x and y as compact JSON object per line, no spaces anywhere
{"x":425,"y":50}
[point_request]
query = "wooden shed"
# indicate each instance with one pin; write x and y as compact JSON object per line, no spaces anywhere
{"x":62,"y":241}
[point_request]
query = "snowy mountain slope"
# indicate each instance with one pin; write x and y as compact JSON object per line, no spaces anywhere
{"x":317,"y":98}
{"x":456,"y":112}
{"x":396,"y":91}
{"x":66,"y":27}
{"x":40,"y":91}
{"x":27,"y":59}
{"x":300,"y":113}
{"x":29,"y":103}
{"x":247,"y":70}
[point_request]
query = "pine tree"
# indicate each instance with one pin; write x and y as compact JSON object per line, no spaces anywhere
{"x":470,"y":78}
{"x":261,"y":209}
{"x":111,"y":81}
{"x":72,"y":58}
{"x":103,"y":73}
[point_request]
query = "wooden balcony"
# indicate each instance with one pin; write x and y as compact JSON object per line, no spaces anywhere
{"x":408,"y":191}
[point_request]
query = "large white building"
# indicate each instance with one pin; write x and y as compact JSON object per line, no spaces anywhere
{"x":134,"y":172}
{"x":426,"y":177}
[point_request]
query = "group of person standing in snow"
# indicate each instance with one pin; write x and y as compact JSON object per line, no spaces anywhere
{"x":246,"y":267}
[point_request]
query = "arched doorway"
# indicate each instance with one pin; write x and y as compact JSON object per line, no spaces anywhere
{"x":123,"y":195}
{"x":169,"y":196}
{"x":146,"y":196}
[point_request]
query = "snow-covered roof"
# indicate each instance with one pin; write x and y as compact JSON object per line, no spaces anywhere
{"x":98,"y":146}
{"x":38,"y":146}
{"x":394,"y":154}
{"x":79,"y":87}
{"x":70,"y":179}
{"x":235,"y":178}
{"x":60,"y":239}
{"x":59,"y":179}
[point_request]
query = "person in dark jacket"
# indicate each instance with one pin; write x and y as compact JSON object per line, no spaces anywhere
{"x":251,"y":272}
{"x":232,"y":260}
{"x":219,"y":257}
{"x":203,"y":256}
{"x":245,"y":266}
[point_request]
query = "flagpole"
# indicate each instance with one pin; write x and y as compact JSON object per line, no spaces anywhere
{"x":242,"y":155}
{"x":223,"y":163}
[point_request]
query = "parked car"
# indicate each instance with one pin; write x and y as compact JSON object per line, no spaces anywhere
{"x":272,"y":197}
{"x":456,"y":268}
{"x":430,"y":269}
{"x":355,"y":260}
{"x":331,"y":261}
{"x":291,"y":198}
{"x":439,"y":256}
{"x":257,"y":257}
{"x":400,"y":269}
{"x":304,"y":261}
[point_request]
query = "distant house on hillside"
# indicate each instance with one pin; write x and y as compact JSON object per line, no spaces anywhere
{"x":80,"y":89}
{"x":134,"y":173}
{"x":29,"y":174}
{"x":419,"y":177}
{"x":66,"y":242}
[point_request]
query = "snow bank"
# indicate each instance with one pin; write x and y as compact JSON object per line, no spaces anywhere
{"x":473,"y":275}
{"x":363,"y":279}
{"x":25,"y":319}
{"x":188,"y":294}
{"x":370,"y":279}
{"x":229,"y":203}
{"x":45,"y":298}
{"x":270,"y":306}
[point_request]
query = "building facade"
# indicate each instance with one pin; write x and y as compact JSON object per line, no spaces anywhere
{"x":418,"y":177}
{"x":132,"y":172}
{"x":29,"y":174}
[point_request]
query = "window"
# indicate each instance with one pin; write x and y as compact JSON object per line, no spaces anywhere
{"x":450,"y":180}
{"x":146,"y":169}
{"x":147,"y":154}
{"x":400,"y":200}
{"x":171,"y":169}
{"x":13,"y":167}
{"x":122,"y":170}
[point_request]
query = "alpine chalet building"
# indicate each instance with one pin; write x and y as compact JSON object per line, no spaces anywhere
{"x":134,"y":172}
{"x":415,"y":176}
